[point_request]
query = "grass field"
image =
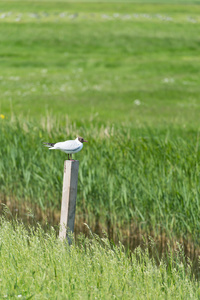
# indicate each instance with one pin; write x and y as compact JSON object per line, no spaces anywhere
{"x":36,"y":265}
{"x":126,"y":78}
{"x":97,"y":60}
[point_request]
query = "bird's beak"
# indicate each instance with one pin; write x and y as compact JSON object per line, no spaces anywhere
{"x":85,"y":141}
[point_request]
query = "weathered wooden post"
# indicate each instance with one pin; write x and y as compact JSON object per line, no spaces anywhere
{"x":69,"y":192}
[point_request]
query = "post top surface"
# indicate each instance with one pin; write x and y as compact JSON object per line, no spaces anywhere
{"x":71,"y":161}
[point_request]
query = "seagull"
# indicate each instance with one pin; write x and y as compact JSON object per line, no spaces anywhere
{"x":69,"y":147}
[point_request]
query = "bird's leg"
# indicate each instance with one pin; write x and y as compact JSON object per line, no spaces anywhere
{"x":71,"y":157}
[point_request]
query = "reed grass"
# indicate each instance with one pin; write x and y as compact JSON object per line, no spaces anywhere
{"x":148,"y":177}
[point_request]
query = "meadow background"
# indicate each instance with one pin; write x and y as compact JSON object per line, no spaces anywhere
{"x":125,"y":76}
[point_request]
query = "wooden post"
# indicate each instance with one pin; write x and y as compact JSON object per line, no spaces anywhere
{"x":68,"y":206}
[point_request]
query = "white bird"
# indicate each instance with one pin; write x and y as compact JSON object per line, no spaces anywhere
{"x":69,"y":147}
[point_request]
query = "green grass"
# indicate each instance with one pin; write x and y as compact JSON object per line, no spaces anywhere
{"x":125,"y":76}
{"x":36,"y":265}
{"x":85,"y":60}
{"x":127,"y":176}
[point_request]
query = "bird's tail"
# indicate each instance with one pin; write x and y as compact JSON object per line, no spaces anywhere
{"x":49,"y":144}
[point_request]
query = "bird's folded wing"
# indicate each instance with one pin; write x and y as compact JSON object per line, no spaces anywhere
{"x":68,"y":145}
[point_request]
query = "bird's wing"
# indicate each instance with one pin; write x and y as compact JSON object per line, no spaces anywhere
{"x":68,"y":145}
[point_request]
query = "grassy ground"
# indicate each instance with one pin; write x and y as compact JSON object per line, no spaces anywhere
{"x":36,"y":265}
{"x":126,"y":77}
{"x":133,"y":69}
{"x":97,"y":61}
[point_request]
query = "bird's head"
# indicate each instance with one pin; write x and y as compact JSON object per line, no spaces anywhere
{"x":81,"y":139}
